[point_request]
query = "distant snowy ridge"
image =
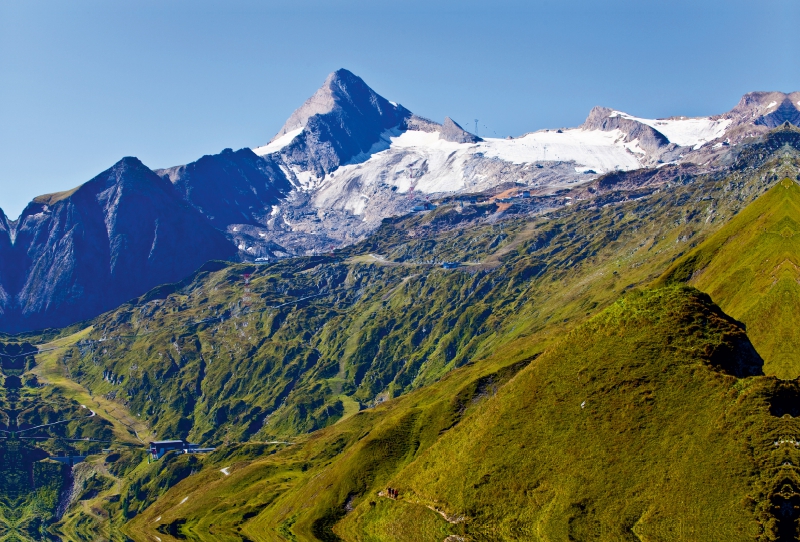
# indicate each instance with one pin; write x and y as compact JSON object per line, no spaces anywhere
{"x":347,"y":158}
{"x":433,"y":165}
{"x":686,"y":132}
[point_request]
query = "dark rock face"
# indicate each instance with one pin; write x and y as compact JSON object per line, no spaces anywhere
{"x":786,"y":112}
{"x":342,"y":120}
{"x":451,"y":131}
{"x":82,"y":252}
{"x":6,"y":261}
{"x":230,"y":187}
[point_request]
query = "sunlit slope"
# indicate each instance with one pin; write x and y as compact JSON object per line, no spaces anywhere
{"x":640,"y":421}
{"x":625,"y":427}
{"x":751,"y":268}
{"x":300,"y":491}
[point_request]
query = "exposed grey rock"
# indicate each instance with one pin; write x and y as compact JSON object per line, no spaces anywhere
{"x":451,"y":131}
{"x":650,"y":140}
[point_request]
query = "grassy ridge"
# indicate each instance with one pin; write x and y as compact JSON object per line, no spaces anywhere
{"x":751,"y":268}
{"x":509,"y":453}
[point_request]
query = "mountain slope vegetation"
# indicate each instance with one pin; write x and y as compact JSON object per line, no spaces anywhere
{"x":589,"y":441}
{"x":751,"y":267}
{"x":308,"y":341}
{"x":535,"y":386}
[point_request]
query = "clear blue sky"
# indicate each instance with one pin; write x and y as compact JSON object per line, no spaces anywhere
{"x":86,"y":82}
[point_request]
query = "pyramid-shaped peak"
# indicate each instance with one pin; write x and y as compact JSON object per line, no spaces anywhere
{"x":452,"y":131}
{"x":129,"y":163}
{"x":343,"y":91}
{"x":342,"y":78}
{"x":128,"y":168}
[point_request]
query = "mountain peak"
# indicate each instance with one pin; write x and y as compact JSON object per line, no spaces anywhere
{"x":342,"y":120}
{"x":342,"y":89}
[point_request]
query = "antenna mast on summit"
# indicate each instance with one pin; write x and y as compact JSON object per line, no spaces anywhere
{"x":476,"y":126}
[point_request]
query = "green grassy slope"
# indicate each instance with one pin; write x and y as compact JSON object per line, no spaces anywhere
{"x":751,"y":268}
{"x":593,"y":441}
{"x":195,"y":360}
{"x":429,"y":355}
{"x":507,"y":454}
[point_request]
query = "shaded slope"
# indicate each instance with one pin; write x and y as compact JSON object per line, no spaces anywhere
{"x":231,"y":187}
{"x":751,"y":268}
{"x":82,"y":252}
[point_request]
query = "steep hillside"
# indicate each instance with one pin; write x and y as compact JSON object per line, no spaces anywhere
{"x":590,"y":441}
{"x":85,"y":251}
{"x":750,"y":268}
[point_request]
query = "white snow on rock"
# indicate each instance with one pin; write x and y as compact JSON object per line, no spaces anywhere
{"x":278,"y":144}
{"x":686,"y":132}
{"x":594,"y":149}
{"x":418,"y":160}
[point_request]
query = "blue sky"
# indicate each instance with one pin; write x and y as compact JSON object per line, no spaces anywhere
{"x":86,"y":82}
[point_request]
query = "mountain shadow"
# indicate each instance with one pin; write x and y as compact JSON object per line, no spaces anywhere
{"x":751,"y":268}
{"x":85,"y":251}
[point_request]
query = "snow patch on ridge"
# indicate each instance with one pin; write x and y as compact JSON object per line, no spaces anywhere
{"x":419,"y":161}
{"x":594,"y":149}
{"x":686,"y":132}
{"x":278,"y":144}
